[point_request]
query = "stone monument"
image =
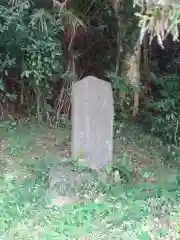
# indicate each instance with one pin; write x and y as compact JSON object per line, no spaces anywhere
{"x":92,"y":121}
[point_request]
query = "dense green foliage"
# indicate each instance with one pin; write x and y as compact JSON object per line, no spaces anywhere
{"x":34,"y":51}
{"x":166,"y":104}
{"x":31,"y":52}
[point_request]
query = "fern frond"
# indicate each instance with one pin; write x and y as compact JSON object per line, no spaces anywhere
{"x":40,"y":18}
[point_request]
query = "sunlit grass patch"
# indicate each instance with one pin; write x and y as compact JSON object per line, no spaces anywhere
{"x":116,"y":210}
{"x":121,"y":210}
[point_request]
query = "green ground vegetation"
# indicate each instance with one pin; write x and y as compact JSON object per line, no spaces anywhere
{"x":129,"y":209}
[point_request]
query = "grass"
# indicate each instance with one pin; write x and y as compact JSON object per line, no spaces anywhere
{"x":135,"y":210}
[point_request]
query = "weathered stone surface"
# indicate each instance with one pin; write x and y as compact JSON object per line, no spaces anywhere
{"x":92,"y":121}
{"x":69,"y":182}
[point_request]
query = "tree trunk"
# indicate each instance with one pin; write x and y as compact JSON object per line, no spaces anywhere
{"x":131,"y":63}
{"x":118,"y":8}
{"x":132,"y":72}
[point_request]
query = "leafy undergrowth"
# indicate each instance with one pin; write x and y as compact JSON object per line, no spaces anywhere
{"x":136,"y":210}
